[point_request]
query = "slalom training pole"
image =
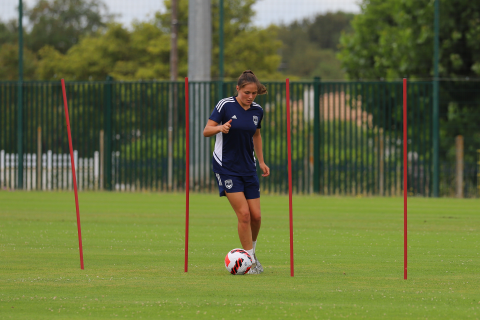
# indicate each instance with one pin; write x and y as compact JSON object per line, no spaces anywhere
{"x":405,"y":186}
{"x":289,"y":147}
{"x":187,"y":171}
{"x":73,"y":172}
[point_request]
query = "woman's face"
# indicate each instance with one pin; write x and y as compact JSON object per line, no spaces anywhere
{"x":247,"y":94}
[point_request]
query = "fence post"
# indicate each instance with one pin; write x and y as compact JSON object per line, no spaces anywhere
{"x":381,"y":159}
{"x":101,"y":168}
{"x":459,"y":165}
{"x":316,"y":135}
{"x":436,"y":114}
{"x":221,"y":46}
{"x":478,"y":172}
{"x":39,"y":158}
{"x":20,"y":98}
{"x":2,"y":169}
{"x":108,"y":134}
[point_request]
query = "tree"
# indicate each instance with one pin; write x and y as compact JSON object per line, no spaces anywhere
{"x":242,"y":43}
{"x":393,"y":39}
{"x":254,"y":49}
{"x":144,"y":51}
{"x":309,"y":45}
{"x":8,"y":32}
{"x":61,"y":23}
{"x":326,"y":29}
{"x":115,"y":51}
{"x":9,"y":54}
{"x":9,"y":62}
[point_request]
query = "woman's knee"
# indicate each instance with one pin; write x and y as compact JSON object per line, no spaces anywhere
{"x":255,"y":216}
{"x":243,"y":216}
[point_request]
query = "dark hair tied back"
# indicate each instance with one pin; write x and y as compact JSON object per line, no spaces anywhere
{"x":247,"y":77}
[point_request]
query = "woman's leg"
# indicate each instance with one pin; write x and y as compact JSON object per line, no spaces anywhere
{"x":255,"y":222}
{"x":241,"y":207}
{"x":255,"y":217}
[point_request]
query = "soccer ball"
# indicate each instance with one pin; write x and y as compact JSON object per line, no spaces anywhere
{"x":238,"y":261}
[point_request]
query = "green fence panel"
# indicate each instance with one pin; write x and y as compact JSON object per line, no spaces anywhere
{"x":361,"y":138}
{"x":130,"y":136}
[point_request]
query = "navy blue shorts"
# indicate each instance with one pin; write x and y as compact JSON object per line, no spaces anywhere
{"x":249,"y":185}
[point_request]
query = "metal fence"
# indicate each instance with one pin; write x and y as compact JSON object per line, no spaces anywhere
{"x":346,"y":136}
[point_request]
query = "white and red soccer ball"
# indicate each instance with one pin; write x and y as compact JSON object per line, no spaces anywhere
{"x":238,"y":261}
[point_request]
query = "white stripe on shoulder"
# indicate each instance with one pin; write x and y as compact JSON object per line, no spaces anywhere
{"x":222,"y":102}
{"x":257,"y":105}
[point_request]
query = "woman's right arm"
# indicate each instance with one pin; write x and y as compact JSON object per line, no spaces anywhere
{"x":212,"y":128}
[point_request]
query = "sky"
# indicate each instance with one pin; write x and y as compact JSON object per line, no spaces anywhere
{"x":268,"y":11}
{"x":277,"y":11}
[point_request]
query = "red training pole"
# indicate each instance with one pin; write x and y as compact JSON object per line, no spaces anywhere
{"x":289,"y":147}
{"x":73,"y":172}
{"x":187,"y":171}
{"x":405,"y":186}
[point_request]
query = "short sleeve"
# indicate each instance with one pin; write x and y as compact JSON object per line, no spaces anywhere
{"x":218,"y":112}
{"x":260,"y":121}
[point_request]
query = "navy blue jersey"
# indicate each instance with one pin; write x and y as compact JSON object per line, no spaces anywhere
{"x":234,"y":152}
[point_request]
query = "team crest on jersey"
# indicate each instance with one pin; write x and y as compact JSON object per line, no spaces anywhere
{"x":229,"y":184}
{"x":255,"y":120}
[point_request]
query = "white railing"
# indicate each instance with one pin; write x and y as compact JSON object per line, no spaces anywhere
{"x":54,"y":172}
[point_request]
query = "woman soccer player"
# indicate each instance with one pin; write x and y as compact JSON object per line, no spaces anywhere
{"x":236,"y":122}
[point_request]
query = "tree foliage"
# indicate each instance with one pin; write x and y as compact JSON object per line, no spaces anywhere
{"x":309,"y":45}
{"x":245,"y":46}
{"x":114,"y":51}
{"x":143,"y":52}
{"x":61,"y":23}
{"x":9,"y":53}
{"x":393,"y":39}
{"x":9,"y":63}
{"x":8,"y":32}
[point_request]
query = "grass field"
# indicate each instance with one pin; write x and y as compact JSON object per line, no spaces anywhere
{"x":348,"y":258}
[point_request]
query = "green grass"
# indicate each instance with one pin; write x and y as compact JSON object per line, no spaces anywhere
{"x":348,"y":258}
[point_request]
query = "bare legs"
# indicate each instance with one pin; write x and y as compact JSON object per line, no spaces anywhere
{"x":249,"y":217}
{"x":255,"y":217}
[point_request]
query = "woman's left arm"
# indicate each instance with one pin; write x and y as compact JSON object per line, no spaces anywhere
{"x":257,"y":145}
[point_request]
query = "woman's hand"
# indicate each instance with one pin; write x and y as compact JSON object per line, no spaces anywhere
{"x":226,"y":127}
{"x":265,"y":169}
{"x":212,"y":128}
